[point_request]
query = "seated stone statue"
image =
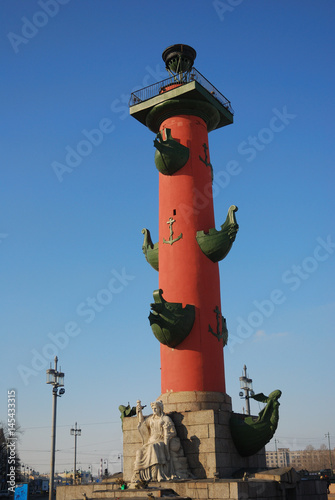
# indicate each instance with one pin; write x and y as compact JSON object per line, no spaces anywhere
{"x":161,"y":457}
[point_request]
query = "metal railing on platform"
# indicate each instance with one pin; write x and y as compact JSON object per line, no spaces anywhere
{"x":176,"y":81}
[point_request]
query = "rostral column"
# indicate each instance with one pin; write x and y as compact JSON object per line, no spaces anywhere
{"x":186,"y":316}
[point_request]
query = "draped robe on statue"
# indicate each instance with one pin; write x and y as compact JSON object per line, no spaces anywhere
{"x":153,"y":461}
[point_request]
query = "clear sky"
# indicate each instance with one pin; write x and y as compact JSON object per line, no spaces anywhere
{"x":68,"y":68}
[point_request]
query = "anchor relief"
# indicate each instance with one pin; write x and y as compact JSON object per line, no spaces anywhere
{"x":205,"y":160}
{"x":221,"y":327}
{"x":170,"y":241}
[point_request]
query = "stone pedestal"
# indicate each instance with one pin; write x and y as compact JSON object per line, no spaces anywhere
{"x":272,"y":488}
{"x":202,"y":424}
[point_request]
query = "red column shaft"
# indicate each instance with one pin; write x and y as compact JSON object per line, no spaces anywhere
{"x":186,"y":275}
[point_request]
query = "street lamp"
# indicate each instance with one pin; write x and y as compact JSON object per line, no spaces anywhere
{"x":56,"y":379}
{"x":23,"y":468}
{"x":91,"y":475}
{"x":120,"y":457}
{"x":75,"y":432}
{"x":276,"y":441}
{"x":246,"y":385}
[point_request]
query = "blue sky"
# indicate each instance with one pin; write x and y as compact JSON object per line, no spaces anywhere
{"x":68,"y":70}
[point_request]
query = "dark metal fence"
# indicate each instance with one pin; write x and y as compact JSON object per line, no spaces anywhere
{"x":177,"y":80}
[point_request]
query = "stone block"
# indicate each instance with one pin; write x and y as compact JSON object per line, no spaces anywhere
{"x":212,"y":397}
{"x":194,"y":460}
{"x":199,"y":472}
{"x":101,"y":487}
{"x":227,"y":406}
{"x":219,"y":490}
{"x":132,"y":437}
{"x":260,"y":489}
{"x":213,"y":406}
{"x":252,"y":461}
{"x":189,"y":406}
{"x":224,"y":417}
{"x":128,"y":468}
{"x":207,"y":446}
{"x":224,"y":460}
{"x":211,"y":461}
{"x":199,"y":417}
{"x":179,"y":397}
{"x":129,"y":423}
{"x":200,"y":485}
{"x":219,"y":431}
{"x":196,"y":493}
{"x":180,"y":488}
{"x":195,"y":396}
{"x":200,"y":431}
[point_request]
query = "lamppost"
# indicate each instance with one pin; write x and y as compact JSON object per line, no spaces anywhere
{"x":23,"y":468}
{"x":75,"y":432}
{"x":276,"y":441}
{"x":120,"y":457}
{"x":56,"y":379}
{"x":246,"y":385}
{"x":330,"y":454}
{"x":91,"y":475}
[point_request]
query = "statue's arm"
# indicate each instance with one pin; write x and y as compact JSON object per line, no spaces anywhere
{"x":139,"y":413}
{"x":260,"y":397}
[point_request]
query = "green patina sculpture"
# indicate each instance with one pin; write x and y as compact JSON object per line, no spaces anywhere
{"x":205,"y":160}
{"x":127,"y":411}
{"x":217,"y":244}
{"x":221,"y":327}
{"x":170,"y":155}
{"x":150,"y":249}
{"x":250,"y":434}
{"x":170,"y":321}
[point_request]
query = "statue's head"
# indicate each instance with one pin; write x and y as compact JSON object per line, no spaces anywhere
{"x":157,"y":407}
{"x":275,"y":395}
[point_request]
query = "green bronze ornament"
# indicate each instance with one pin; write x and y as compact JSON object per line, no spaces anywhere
{"x":217,"y":244}
{"x":170,"y":321}
{"x":170,"y":155}
{"x":221,"y":331}
{"x":150,"y":250}
{"x":127,"y":411}
{"x":172,"y":240}
{"x":205,"y":160}
{"x":250,"y":434}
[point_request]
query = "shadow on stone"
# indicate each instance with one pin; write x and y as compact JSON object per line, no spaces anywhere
{"x":191,"y":446}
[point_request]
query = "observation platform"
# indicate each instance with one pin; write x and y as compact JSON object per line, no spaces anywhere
{"x":187,"y":88}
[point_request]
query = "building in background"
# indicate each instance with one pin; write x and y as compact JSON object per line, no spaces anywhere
{"x":308,"y":459}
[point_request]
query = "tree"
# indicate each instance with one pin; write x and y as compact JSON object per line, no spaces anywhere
{"x":3,"y":457}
